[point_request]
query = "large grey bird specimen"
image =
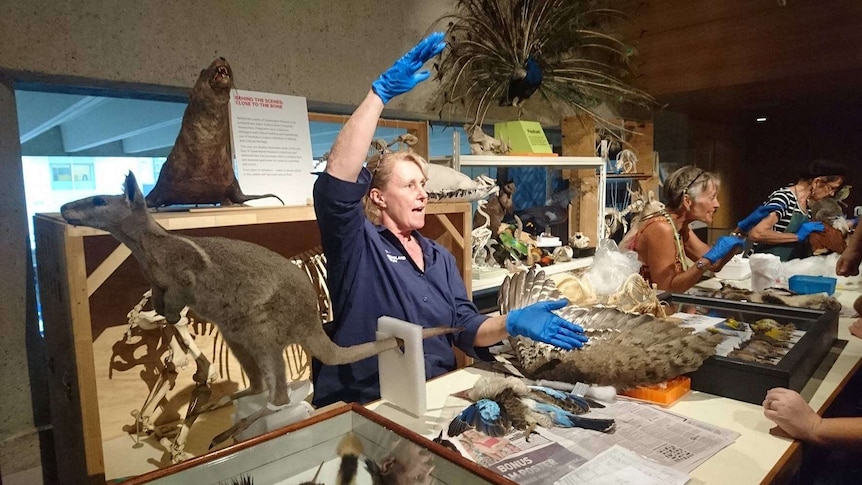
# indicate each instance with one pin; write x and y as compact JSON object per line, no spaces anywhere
{"x":259,"y":300}
{"x":625,"y":350}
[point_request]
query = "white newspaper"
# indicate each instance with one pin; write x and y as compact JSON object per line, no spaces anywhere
{"x":667,"y":439}
{"x":619,"y":466}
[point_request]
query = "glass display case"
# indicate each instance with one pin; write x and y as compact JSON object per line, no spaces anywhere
{"x":747,"y":376}
{"x":296,"y":453}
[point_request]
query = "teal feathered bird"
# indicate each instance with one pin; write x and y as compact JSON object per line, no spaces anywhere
{"x":501,"y":404}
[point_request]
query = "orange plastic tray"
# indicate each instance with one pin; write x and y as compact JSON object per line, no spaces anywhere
{"x":664,"y":394}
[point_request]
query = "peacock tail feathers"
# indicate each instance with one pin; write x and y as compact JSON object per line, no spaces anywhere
{"x":568,"y":51}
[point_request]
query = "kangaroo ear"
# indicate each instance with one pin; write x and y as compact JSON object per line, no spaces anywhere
{"x":132,"y":192}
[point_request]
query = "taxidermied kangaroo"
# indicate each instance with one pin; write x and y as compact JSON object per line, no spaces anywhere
{"x":258,"y":299}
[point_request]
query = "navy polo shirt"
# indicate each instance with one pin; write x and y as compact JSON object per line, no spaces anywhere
{"x":369,"y":275}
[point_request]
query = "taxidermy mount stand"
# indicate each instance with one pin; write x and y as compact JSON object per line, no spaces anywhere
{"x":259,"y":300}
{"x":199,"y":169}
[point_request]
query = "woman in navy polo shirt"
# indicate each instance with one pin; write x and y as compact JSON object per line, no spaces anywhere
{"x":378,"y":263}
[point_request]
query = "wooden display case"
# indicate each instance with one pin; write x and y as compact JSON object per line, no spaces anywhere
{"x":295,"y":454}
{"x":88,"y":284}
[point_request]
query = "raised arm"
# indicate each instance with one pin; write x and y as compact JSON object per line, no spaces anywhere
{"x":351,"y":146}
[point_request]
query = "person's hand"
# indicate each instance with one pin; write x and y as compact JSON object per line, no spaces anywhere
{"x":848,"y":262}
{"x":539,"y":323}
{"x":757,"y":215}
{"x":791,"y":413}
{"x":724,"y":246}
{"x":856,"y":328}
{"x":405,"y":74}
{"x":807,"y":228}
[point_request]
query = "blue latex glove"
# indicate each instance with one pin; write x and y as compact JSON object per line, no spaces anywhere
{"x":724,"y":246}
{"x":755,"y":217}
{"x":539,"y":323}
{"x":807,"y":228}
{"x":405,"y":74}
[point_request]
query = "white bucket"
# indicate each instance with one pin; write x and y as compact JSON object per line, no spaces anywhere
{"x":766,"y":271}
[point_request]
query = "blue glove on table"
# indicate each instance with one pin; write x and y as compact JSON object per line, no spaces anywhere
{"x":807,"y":228}
{"x":724,"y":246}
{"x":403,"y":75}
{"x":539,"y":323}
{"x":752,"y":219}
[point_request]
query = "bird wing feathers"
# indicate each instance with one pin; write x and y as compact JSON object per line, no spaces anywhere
{"x":625,"y":350}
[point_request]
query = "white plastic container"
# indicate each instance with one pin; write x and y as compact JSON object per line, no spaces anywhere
{"x":735,"y":269}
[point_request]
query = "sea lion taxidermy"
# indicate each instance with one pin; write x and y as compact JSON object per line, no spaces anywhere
{"x":199,"y":169}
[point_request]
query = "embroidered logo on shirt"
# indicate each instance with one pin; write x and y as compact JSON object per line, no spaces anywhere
{"x":395,"y":258}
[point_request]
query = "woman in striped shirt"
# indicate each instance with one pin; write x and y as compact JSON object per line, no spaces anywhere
{"x":784,"y":232}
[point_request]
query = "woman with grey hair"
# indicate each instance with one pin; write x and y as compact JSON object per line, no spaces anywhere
{"x":665,"y":242}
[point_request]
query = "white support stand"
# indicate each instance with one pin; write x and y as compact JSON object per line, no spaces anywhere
{"x":402,"y":374}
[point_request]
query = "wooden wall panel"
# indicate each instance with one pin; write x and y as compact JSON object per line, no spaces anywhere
{"x":690,"y":46}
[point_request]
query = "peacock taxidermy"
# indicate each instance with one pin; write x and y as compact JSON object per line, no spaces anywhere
{"x":507,"y":50}
{"x":624,"y":350}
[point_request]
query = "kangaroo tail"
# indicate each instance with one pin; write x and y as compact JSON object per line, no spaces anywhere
{"x":325,"y":350}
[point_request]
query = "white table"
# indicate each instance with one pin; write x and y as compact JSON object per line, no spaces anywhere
{"x":756,"y":457}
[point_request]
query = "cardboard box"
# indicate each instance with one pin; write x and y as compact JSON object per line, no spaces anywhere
{"x":748,"y":381}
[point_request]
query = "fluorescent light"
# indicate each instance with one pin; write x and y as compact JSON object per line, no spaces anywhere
{"x":760,"y":119}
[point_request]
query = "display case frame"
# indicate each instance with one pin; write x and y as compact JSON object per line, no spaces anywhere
{"x":88,"y":282}
{"x":749,"y":381}
{"x":292,"y":453}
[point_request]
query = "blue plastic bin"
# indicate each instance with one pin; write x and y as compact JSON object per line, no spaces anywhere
{"x":806,"y":285}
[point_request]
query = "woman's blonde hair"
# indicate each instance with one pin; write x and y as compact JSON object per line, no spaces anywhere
{"x":381,"y":166}
{"x":687,"y":180}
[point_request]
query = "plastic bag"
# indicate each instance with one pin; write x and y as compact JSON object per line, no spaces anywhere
{"x":766,"y":272}
{"x":611,"y":266}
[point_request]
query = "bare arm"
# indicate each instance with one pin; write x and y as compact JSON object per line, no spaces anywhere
{"x":351,"y":146}
{"x":657,"y":249}
{"x":763,"y":233}
{"x":793,"y":415}
{"x":848,"y":263}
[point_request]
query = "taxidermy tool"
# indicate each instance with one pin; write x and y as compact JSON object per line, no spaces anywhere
{"x":501,"y":404}
{"x":508,"y":50}
{"x":779,"y":296}
{"x":624,"y":350}
{"x":313,"y":481}
{"x":259,"y":300}
{"x":199,"y":169}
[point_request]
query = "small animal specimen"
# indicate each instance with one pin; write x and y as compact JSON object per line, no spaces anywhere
{"x":259,"y":300}
{"x":779,"y":296}
{"x":625,"y":350}
{"x":501,"y":404}
{"x":199,"y":169}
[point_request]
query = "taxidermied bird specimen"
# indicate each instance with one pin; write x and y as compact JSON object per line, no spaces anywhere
{"x":779,"y":296}
{"x":507,"y":50}
{"x":624,"y":350}
{"x":505,"y":403}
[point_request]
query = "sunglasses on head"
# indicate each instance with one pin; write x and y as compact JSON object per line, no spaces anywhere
{"x":690,"y":184}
